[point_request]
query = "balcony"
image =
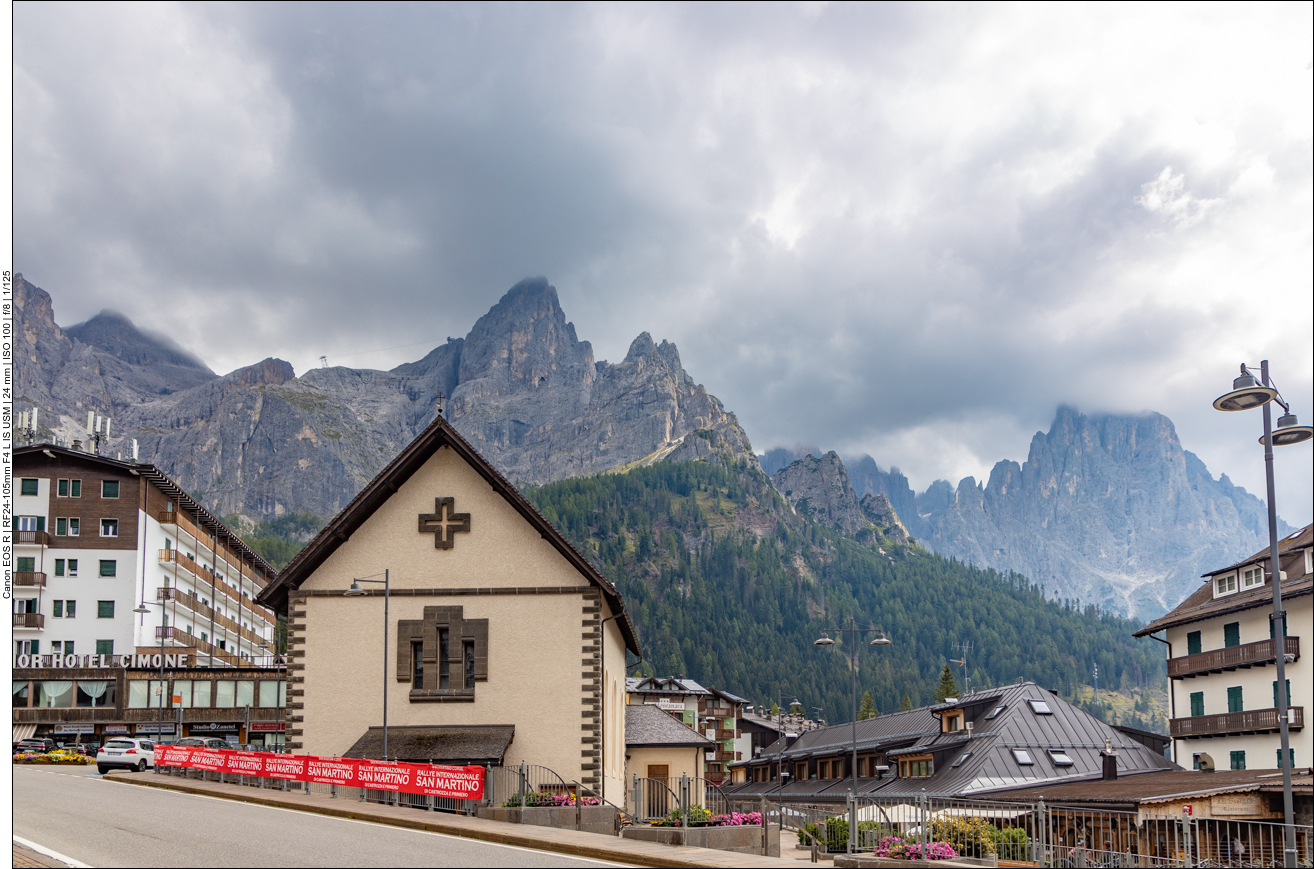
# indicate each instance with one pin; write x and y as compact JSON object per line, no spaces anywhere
{"x":32,"y":538}
{"x":727,"y":756}
{"x":180,"y":637}
{"x":202,"y":575}
{"x":29,"y":620}
{"x":28,"y":579}
{"x":1231,"y":658}
{"x":207,"y":613}
{"x":1229,"y":723}
{"x":722,"y":733}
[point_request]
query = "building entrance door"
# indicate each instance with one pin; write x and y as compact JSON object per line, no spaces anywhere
{"x":658,"y":797}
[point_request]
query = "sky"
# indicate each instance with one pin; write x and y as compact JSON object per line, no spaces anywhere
{"x":911,"y":231}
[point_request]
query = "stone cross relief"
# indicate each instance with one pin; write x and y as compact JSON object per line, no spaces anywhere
{"x":444,"y":529}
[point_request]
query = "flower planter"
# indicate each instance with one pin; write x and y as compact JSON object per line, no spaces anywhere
{"x":741,"y":840}
{"x":871,"y":860}
{"x":591,"y":819}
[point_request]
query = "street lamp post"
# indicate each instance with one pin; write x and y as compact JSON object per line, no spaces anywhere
{"x":879,"y":640}
{"x":159,"y":728}
{"x":1246,"y":394}
{"x":357,"y":591}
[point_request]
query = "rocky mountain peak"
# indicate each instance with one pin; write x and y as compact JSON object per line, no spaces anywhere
{"x":525,"y":341}
{"x":819,"y":487}
{"x":115,"y":334}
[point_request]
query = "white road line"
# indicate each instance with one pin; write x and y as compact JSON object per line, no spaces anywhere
{"x":303,"y":813}
{"x":41,"y":849}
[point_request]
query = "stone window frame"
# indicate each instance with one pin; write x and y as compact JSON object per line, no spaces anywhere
{"x":460,"y":630}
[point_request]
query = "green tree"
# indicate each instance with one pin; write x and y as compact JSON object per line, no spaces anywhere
{"x":947,"y":687}
{"x":905,"y":704}
{"x":867,"y":709}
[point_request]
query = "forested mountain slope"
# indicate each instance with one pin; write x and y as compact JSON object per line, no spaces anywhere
{"x":730,"y":587}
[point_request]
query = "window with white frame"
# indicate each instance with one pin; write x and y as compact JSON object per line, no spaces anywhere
{"x":1225,"y":584}
{"x":1252,"y":577}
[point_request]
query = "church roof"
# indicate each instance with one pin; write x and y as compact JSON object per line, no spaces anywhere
{"x":440,"y":433}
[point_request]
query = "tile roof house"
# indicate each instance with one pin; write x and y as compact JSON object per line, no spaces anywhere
{"x":986,"y":741}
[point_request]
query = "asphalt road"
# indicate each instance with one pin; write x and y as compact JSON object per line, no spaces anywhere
{"x":101,"y":823}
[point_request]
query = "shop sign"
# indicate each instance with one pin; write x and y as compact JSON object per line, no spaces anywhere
{"x":213,"y":727}
{"x":1235,"y":805}
{"x":74,"y":728}
{"x":667,"y":705}
{"x":116,"y":728}
{"x":267,"y":727}
{"x":155,"y":728}
{"x":100,"y":662}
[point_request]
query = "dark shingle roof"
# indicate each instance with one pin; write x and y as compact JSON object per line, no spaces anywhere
{"x":648,"y":725}
{"x":1158,"y":786}
{"x":474,"y":743}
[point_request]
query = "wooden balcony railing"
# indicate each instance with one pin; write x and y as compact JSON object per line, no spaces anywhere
{"x":32,"y":538}
{"x":182,"y":638}
{"x":29,"y":579}
{"x":1231,"y":658}
{"x":29,"y":620}
{"x":727,"y":756}
{"x":722,"y":733}
{"x":204,"y":538}
{"x":208,"y":613}
{"x":201,"y":574}
{"x":1254,"y":721}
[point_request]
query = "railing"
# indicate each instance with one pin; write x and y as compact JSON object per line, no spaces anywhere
{"x":729,"y":756}
{"x":29,"y":579}
{"x":1254,"y":721}
{"x":203,"y":538}
{"x":32,"y":538}
{"x":194,"y":603}
{"x":722,"y":733}
{"x":183,"y":638}
{"x":173,"y":556}
{"x":29,"y":620}
{"x":1230,"y":658}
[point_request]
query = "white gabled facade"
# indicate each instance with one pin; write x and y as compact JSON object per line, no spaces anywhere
{"x":1221,"y":662}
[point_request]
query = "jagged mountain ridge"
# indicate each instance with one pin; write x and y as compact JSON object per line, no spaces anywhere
{"x":262,"y":442}
{"x":1109,"y":509}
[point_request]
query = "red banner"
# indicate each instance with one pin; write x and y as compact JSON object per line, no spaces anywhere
{"x":457,"y":782}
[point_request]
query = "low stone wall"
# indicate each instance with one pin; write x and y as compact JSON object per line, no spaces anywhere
{"x":591,"y":819}
{"x":853,"y":861}
{"x":741,"y":840}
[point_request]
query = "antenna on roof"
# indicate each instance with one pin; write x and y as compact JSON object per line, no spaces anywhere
{"x":134,"y":450}
{"x":91,"y":422}
{"x":323,"y":362}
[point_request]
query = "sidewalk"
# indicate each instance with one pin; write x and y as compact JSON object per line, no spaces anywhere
{"x":571,"y":842}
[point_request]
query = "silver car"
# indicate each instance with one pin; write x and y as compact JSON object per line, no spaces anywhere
{"x":125,"y":753}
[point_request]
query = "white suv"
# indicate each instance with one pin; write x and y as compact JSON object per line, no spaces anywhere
{"x":122,"y":753}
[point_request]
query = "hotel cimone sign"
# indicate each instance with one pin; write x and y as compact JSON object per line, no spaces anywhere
{"x":100,"y":662}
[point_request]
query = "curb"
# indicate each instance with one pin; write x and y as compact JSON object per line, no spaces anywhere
{"x":702,"y":857}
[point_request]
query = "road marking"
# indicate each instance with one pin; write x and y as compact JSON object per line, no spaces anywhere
{"x":41,"y":849}
{"x":390,"y":827}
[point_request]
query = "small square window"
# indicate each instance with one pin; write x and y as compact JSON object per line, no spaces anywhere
{"x":109,"y":527}
{"x":109,"y":488}
{"x":1060,"y":757}
{"x":104,"y":647}
{"x":72,"y":567}
{"x":104,"y":609}
{"x":75,"y":488}
{"x":1238,"y":760}
{"x":58,"y":609}
{"x":28,"y":487}
{"x":59,"y":567}
{"x":109,"y":567}
{"x":1040,"y":707}
{"x":1022,"y":757}
{"x":61,"y":489}
{"x":61,"y":527}
{"x":74,"y":527}
{"x":1225,"y":585}
{"x":70,"y":609}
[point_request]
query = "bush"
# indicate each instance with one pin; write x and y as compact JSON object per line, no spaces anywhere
{"x":1011,"y":843}
{"x":902,"y":849}
{"x":835,"y":837}
{"x":971,"y":837}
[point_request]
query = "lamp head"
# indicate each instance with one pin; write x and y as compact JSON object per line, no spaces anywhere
{"x":1246,"y":394}
{"x":354,"y":591}
{"x":141,"y":608}
{"x":1290,"y":431}
{"x":880,"y":639}
{"x":824,"y":640}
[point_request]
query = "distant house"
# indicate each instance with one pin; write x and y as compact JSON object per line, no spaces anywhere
{"x":986,"y":741}
{"x":1220,"y":645}
{"x":712,"y":713}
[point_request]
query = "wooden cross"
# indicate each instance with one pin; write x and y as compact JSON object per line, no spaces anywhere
{"x":444,"y":529}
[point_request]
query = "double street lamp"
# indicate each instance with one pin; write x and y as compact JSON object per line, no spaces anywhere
{"x":878,"y":640}
{"x":1248,"y":394}
{"x":356,"y":591}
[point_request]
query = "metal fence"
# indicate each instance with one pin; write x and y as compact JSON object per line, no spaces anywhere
{"x":654,"y":799}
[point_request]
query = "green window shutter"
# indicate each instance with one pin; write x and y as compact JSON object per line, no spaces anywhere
{"x":26,"y":565}
{"x":1232,"y":634}
{"x":1197,"y":704}
{"x":29,"y":487}
{"x":1272,"y":633}
{"x":104,"y":647}
{"x":63,"y":488}
{"x":77,"y":488}
{"x":109,"y":567}
{"x":1234,"y":703}
{"x":105,"y":609}
{"x":1291,"y":758}
{"x":1275,"y":693}
{"x":1193,"y":643}
{"x":1238,"y":760}
{"x":41,"y":523}
{"x":58,"y":609}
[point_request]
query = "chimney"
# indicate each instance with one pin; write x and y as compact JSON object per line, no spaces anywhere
{"x":1110,"y":757}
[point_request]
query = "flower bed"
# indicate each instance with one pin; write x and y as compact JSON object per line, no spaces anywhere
{"x":700,"y":817}
{"x":536,"y":800}
{"x":54,"y":757}
{"x":897,"y":848}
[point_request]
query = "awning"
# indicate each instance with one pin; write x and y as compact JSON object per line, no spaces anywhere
{"x":23,"y":731}
{"x":449,"y":744}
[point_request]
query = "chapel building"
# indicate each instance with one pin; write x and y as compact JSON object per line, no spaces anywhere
{"x":495,"y":640}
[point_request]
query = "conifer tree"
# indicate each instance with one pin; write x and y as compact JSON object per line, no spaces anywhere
{"x":947,"y":686}
{"x":867,"y":709}
{"x":906,"y":704}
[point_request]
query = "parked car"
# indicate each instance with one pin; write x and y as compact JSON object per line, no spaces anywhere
{"x":35,"y":746}
{"x":124,"y":753}
{"x":201,"y":742}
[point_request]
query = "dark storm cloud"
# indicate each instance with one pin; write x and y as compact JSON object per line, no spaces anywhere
{"x":910,"y":231}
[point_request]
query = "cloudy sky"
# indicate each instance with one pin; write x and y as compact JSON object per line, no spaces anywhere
{"x":911,"y":231}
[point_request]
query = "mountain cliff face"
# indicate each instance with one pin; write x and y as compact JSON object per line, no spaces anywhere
{"x":262,"y":442}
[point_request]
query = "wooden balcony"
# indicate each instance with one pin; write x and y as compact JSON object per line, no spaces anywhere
{"x":1228,"y":723}
{"x":29,"y":620}
{"x":208,"y":613}
{"x":184,"y":523}
{"x":727,"y":756}
{"x":32,"y":538}
{"x":182,"y":638}
{"x":202,"y":575}
{"x":722,"y":733}
{"x":1230,"y":658}
{"x":29,"y":579}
